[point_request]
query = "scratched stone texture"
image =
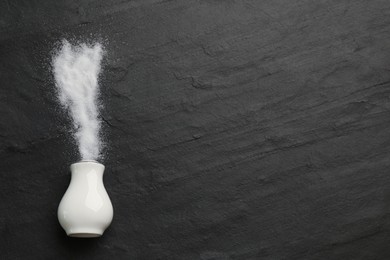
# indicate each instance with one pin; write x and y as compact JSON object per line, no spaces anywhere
{"x":233,"y":129}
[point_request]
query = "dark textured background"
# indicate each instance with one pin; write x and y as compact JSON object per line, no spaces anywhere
{"x":234,"y":129}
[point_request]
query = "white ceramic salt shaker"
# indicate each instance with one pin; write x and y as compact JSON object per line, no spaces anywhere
{"x":85,"y":209}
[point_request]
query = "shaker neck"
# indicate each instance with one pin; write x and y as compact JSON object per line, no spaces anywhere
{"x":87,"y":167}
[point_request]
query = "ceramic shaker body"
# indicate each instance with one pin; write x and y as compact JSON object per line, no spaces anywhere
{"x":85,"y":209}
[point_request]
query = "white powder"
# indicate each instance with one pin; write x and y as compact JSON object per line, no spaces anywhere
{"x":76,"y":70}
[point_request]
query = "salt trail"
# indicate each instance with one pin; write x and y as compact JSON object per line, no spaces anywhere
{"x":76,"y":70}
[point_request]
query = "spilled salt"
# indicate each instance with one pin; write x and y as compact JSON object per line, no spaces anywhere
{"x":76,"y":70}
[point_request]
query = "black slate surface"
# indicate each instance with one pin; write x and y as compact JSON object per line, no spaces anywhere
{"x":234,"y":129}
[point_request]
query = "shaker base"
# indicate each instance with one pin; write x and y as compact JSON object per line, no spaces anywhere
{"x":85,"y":233}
